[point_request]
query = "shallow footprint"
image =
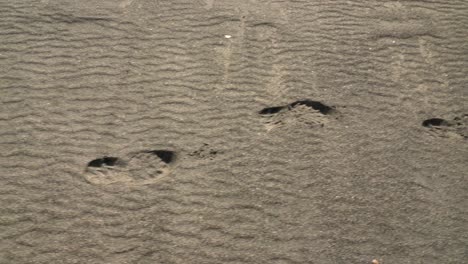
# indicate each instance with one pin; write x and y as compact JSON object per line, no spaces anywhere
{"x":137,"y":168}
{"x":205,"y":152}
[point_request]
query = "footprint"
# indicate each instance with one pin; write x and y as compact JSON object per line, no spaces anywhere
{"x":137,"y":168}
{"x":205,"y":152}
{"x":435,"y":122}
{"x":324,"y":109}
{"x":272,"y":110}
{"x":307,"y":113}
{"x":455,"y":128}
{"x":105,"y":161}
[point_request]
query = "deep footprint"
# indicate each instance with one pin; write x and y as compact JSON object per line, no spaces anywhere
{"x":458,"y":127}
{"x":303,"y":112}
{"x":272,"y":110}
{"x":435,"y":122}
{"x":137,"y":168}
{"x":102,"y":162}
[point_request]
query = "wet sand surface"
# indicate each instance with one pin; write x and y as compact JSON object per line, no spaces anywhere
{"x":233,"y":132}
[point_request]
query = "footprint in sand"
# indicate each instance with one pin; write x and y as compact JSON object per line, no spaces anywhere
{"x":137,"y":168}
{"x":455,"y":128}
{"x":205,"y":152}
{"x":307,"y":113}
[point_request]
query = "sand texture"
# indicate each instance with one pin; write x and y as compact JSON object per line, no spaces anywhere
{"x":223,"y":131}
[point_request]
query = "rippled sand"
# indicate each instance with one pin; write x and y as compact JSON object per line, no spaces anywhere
{"x":233,"y":131}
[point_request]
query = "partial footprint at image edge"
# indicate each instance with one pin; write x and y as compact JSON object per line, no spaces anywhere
{"x":136,"y":168}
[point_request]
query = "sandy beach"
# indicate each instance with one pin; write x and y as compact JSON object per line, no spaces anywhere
{"x":222,"y":131}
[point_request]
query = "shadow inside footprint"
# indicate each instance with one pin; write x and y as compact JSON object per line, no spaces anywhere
{"x":165,"y":155}
{"x":272,"y":110}
{"x":105,"y":161}
{"x":435,"y":122}
{"x":316,"y":105}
